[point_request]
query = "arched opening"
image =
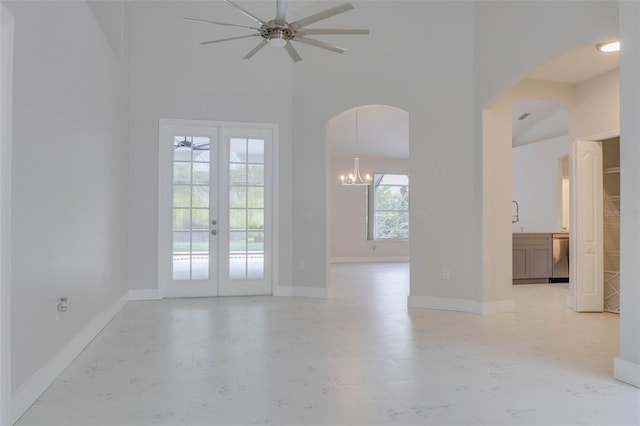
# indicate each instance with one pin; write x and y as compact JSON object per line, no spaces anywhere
{"x":368,"y":225}
{"x":591,"y":103}
{"x":540,"y":201}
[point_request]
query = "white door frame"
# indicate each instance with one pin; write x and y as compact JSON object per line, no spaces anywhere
{"x":164,"y":194}
{"x":576,"y":260}
{"x":6,"y":102}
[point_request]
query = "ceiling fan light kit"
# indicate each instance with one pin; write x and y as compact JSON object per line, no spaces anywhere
{"x":280,"y":33}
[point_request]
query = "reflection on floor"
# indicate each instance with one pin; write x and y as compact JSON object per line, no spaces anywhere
{"x":360,"y":358}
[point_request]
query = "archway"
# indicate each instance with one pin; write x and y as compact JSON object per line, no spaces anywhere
{"x":357,"y":231}
{"x":594,"y":103}
{"x":497,"y":186}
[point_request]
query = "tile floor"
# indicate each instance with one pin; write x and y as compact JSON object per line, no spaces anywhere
{"x":360,"y":358}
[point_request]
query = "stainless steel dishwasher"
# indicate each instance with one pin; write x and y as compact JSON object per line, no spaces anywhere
{"x":560,"y":251}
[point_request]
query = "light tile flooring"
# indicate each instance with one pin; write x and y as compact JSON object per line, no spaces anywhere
{"x":360,"y":358}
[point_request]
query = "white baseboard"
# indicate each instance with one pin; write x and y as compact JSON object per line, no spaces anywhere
{"x":461,"y":305}
{"x":31,"y":390}
{"x":145,"y":294}
{"x":371,"y":259}
{"x":626,"y":371}
{"x":297,"y":291}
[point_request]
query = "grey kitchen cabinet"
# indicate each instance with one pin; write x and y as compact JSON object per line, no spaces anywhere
{"x":532,"y":256}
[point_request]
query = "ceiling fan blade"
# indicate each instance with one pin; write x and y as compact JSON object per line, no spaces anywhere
{"x":255,"y":50}
{"x":281,"y":11}
{"x":221,"y":23}
{"x":245,"y":12}
{"x":330,"y":31}
{"x":292,"y":52}
{"x":230,"y":38}
{"x":322,"y":15}
{"x":320,"y":44}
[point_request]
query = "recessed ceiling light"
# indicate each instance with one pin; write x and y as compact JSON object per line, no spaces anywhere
{"x":609,"y":46}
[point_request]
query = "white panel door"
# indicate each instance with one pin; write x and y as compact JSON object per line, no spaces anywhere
{"x":215,"y":209}
{"x":588,"y":266}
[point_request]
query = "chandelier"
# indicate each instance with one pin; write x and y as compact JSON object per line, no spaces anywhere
{"x":355,"y":178}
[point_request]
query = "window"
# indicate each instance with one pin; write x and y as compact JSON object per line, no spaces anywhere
{"x":388,"y":207}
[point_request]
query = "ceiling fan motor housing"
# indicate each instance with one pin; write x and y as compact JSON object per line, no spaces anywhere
{"x":276,"y":35}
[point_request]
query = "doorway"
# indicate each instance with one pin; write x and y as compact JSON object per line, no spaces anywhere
{"x":368,"y":224}
{"x":597,"y":218}
{"x":379,"y":136}
{"x":215,"y":215}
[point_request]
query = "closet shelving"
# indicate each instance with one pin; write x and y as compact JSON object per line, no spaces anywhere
{"x":611,"y":222}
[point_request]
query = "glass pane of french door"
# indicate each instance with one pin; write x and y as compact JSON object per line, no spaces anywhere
{"x":191,"y":190}
{"x":246,"y":208}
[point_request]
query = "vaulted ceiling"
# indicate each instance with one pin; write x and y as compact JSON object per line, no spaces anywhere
{"x":384,"y":132}
{"x":535,"y":120}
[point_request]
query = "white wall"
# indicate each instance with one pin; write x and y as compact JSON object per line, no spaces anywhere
{"x":537,"y":184}
{"x":348,"y":223}
{"x":627,"y":365}
{"x":597,"y":107}
{"x":172,"y":76}
{"x":69,"y":178}
{"x":6,"y":102}
{"x":433,"y":86}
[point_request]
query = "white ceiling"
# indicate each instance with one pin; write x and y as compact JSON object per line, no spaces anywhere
{"x":546,"y":119}
{"x":383,"y":132}
{"x":576,"y":65}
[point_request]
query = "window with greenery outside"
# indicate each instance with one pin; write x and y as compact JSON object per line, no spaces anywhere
{"x":388,"y":207}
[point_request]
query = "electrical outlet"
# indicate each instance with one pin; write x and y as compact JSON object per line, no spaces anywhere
{"x":62,"y":306}
{"x":446,"y":274}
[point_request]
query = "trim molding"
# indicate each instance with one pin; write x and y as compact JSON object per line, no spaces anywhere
{"x":6,"y":106}
{"x":626,"y":371}
{"x":297,"y":291}
{"x":371,"y":259}
{"x":31,"y":390}
{"x":145,"y":294}
{"x":461,"y":305}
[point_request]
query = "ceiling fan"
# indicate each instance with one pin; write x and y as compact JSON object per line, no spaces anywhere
{"x":280,"y":33}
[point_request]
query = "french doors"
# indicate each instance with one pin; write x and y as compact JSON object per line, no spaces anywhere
{"x":215,"y":212}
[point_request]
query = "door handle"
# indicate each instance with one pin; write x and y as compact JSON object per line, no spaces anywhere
{"x":214,"y":232}
{"x":214,"y":222}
